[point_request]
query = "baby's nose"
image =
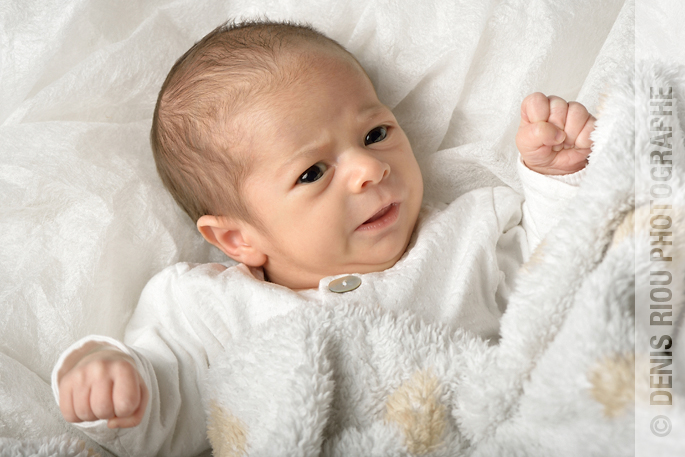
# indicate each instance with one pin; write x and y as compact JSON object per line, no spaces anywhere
{"x":366,"y":170}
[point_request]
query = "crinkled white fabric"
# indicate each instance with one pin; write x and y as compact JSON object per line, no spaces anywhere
{"x":84,"y":220}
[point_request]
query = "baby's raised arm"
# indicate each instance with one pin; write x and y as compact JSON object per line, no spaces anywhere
{"x":103,"y":384}
{"x":147,"y":387}
{"x":554,"y":136}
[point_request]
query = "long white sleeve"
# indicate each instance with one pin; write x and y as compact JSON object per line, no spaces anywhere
{"x":545,"y":197}
{"x":170,"y":358}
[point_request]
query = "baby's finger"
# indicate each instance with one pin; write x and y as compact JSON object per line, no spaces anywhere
{"x":533,"y":136}
{"x":126,"y":391}
{"x":534,"y":108}
{"x":66,"y":404}
{"x":137,"y":416}
{"x":82,"y":405}
{"x":583,"y":140}
{"x":557,"y":111}
{"x":101,"y":399}
{"x":576,"y":119}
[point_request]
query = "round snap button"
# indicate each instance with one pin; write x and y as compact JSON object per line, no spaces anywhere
{"x":344,"y":284}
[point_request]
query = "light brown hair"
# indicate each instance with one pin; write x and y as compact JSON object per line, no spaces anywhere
{"x":191,"y":140}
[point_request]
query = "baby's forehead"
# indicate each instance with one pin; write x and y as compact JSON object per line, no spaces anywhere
{"x":267,"y":82}
{"x":265,"y":97}
{"x":255,"y":93}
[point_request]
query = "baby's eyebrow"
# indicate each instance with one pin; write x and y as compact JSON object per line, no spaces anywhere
{"x":370,"y":112}
{"x":309,"y":151}
{"x":315,"y":148}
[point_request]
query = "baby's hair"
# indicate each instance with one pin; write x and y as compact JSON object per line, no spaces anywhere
{"x":219,"y":75}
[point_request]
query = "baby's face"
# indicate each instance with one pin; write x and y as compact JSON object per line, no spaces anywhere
{"x":334,"y":179}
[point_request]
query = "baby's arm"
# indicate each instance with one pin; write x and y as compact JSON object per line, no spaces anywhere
{"x":554,"y":136}
{"x":170,"y":358}
{"x":554,"y":140}
{"x":103,"y":384}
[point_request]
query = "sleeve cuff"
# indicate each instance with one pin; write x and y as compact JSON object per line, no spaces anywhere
{"x":545,"y":197}
{"x":528,"y":175}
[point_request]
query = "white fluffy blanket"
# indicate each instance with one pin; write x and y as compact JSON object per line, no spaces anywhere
{"x":357,"y":381}
{"x":84,"y":220}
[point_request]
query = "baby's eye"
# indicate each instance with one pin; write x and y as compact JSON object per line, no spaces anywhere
{"x":376,"y":135}
{"x":312,"y":173}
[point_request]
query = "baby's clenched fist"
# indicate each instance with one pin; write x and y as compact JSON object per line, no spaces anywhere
{"x":104,"y":384}
{"x":554,"y":136}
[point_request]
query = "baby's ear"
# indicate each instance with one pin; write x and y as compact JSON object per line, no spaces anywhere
{"x":231,"y":237}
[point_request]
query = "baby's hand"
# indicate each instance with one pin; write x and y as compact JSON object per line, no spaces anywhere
{"x":554,"y":136}
{"x":104,"y":385}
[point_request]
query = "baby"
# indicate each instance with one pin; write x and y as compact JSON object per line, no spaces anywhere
{"x":271,"y":137}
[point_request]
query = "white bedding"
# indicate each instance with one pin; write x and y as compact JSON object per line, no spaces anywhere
{"x":84,"y":219}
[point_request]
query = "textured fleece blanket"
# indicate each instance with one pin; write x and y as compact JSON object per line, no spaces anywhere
{"x":561,"y":381}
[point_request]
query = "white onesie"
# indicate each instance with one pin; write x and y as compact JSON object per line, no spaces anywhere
{"x":459,"y":269}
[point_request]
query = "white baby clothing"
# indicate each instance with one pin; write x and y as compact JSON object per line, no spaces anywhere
{"x":459,"y":269}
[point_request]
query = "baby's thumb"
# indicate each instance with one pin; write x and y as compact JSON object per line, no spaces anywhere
{"x":533,"y":136}
{"x":550,"y":135}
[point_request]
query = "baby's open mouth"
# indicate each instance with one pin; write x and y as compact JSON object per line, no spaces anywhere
{"x":379,"y":215}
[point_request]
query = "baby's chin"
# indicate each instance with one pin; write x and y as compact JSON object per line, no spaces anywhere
{"x":310,"y":277}
{"x":386,"y":265}
{"x":380,"y":264}
{"x":312,"y":281}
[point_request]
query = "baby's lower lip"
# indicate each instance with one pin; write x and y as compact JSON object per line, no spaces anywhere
{"x":388,"y":216}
